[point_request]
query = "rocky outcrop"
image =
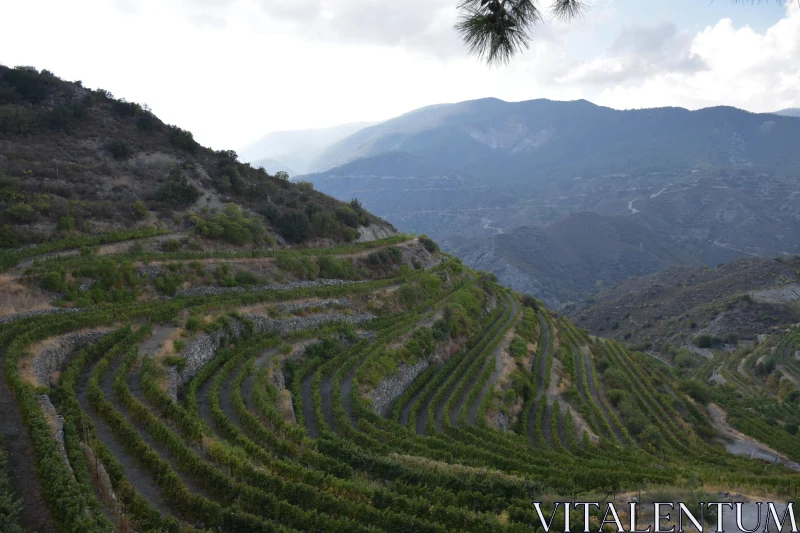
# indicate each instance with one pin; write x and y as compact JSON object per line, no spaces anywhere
{"x":501,"y":422}
{"x":374,"y":232}
{"x":53,"y":357}
{"x":393,"y":386}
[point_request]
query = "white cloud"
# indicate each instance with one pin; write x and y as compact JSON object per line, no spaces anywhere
{"x":745,"y":68}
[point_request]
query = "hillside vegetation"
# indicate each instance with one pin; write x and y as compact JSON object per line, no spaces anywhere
{"x":150,"y":382}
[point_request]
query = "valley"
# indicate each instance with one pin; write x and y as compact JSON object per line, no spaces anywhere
{"x":192,"y":344}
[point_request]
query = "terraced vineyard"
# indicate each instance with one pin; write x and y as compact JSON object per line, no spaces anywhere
{"x":257,"y":410}
{"x":163,"y":378}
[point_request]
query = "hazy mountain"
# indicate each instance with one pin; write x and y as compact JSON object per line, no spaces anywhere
{"x":536,"y":139}
{"x":790,"y":112}
{"x":297,"y":148}
{"x":709,"y":185}
{"x":273,"y":165}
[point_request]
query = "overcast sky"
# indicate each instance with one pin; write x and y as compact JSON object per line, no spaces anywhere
{"x":231,"y":71}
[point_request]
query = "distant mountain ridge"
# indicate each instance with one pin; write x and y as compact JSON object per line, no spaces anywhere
{"x":296,"y":149}
{"x":709,"y":185}
{"x":567,"y":139}
{"x":790,"y":112}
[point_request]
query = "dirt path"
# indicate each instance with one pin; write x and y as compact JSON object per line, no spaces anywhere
{"x":740,"y":444}
{"x":36,"y":515}
{"x":344,"y":388}
{"x":308,"y":405}
{"x":326,"y":391}
{"x":548,"y":417}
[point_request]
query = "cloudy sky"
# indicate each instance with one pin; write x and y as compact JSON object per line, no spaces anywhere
{"x":232,"y":70}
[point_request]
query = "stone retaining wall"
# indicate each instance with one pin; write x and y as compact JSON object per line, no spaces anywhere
{"x":58,"y":431}
{"x":213,"y":291}
{"x":53,"y":358}
{"x":393,"y":386}
{"x":202,"y":349}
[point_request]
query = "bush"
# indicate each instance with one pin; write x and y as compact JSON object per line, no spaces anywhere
{"x":698,"y":391}
{"x":22,"y":212}
{"x":707,"y":341}
{"x":120,"y":150}
{"x":428,"y":243}
{"x":232,"y":226}
{"x":333,"y":268}
{"x":347,"y":216}
{"x":294,"y":226}
{"x":66,"y":224}
{"x":177,"y":191}
{"x":140,"y":211}
{"x":172,"y":245}
{"x":182,"y":139}
{"x":304,"y":268}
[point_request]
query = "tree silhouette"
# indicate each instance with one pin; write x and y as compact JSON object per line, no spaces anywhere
{"x":497,"y":30}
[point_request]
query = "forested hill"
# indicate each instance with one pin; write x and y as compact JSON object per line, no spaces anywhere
{"x":75,"y":161}
{"x":194,"y":374}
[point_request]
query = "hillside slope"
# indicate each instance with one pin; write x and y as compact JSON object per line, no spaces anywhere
{"x":152,"y":381}
{"x":567,"y":259}
{"x":738,"y":300}
{"x":75,"y":161}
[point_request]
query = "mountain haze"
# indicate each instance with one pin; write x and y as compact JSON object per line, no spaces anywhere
{"x":297,"y":149}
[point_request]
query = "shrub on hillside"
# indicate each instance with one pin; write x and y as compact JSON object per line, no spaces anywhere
{"x":231,"y":225}
{"x":707,"y":341}
{"x":347,"y":216}
{"x":294,"y":226}
{"x":120,"y":150}
{"x":177,"y":191}
{"x":428,"y":243}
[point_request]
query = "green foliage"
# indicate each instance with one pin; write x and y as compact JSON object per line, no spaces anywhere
{"x":334,"y":268}
{"x":174,"y":360}
{"x":177,"y":191}
{"x":10,"y":506}
{"x":120,"y":149}
{"x":706,"y":341}
{"x":347,"y":216}
{"x":294,"y":226}
{"x":303,"y":267}
{"x":66,"y":224}
{"x":140,"y":210}
{"x":182,"y":139}
{"x":168,"y":283}
{"x":428,"y":243}
{"x":231,"y":225}
{"x":698,"y":391}
{"x":171,"y":245}
{"x":22,"y":212}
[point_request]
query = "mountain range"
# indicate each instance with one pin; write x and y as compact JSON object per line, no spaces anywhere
{"x":501,"y":183}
